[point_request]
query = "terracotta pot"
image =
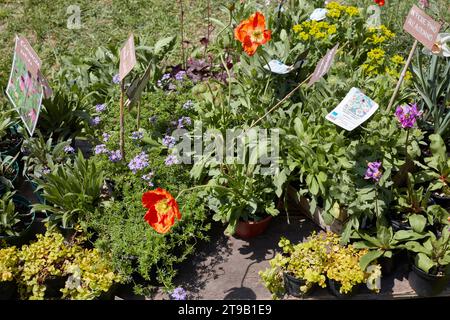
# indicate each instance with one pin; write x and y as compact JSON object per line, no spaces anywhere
{"x":251,"y":229}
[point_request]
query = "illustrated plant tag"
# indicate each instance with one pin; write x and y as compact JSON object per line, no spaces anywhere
{"x":279,"y":67}
{"x":422,"y":27}
{"x":374,"y":21}
{"x":355,"y":109}
{"x":127,"y":58}
{"x":48,"y":92}
{"x":24,"y":88}
{"x":323,"y":66}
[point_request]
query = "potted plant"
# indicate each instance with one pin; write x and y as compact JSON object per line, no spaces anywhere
{"x":438,"y":172}
{"x":10,"y":138}
{"x":9,"y":170}
{"x":300,"y":267}
{"x":431,"y":265}
{"x":9,"y":266}
{"x":243,"y":198}
{"x":71,"y":193}
{"x":16,"y":219}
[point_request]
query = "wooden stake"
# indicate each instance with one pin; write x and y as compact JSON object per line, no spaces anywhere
{"x":122,"y":127}
{"x":281,"y":101}
{"x":402,"y":75}
{"x":139,"y":115}
{"x":183,"y":55}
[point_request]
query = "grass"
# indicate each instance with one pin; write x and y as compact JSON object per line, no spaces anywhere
{"x":44,"y":23}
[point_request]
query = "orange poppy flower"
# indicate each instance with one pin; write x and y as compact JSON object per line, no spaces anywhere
{"x":162,"y":209}
{"x":251,"y":33}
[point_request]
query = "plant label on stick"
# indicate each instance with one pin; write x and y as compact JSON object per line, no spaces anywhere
{"x":127,"y":58}
{"x":134,"y":92}
{"x":279,"y":67}
{"x":48,"y":92}
{"x":422,"y":27}
{"x":323,"y":66}
{"x":25,"y":90}
{"x":355,"y":109}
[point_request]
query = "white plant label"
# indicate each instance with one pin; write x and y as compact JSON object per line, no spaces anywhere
{"x":279,"y":67}
{"x":355,"y":109}
{"x":374,"y":20}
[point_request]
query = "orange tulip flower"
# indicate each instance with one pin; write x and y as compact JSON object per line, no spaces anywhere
{"x":162,"y":210}
{"x":251,"y":33}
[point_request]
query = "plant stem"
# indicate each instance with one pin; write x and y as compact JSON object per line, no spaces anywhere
{"x":121,"y":120}
{"x":406,"y":144}
{"x":138,"y":115}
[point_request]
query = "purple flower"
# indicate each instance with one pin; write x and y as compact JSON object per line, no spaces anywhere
{"x":184,"y":121}
{"x":106,"y":137}
{"x":95,"y":121}
{"x":172,"y":87}
{"x":180,"y":75}
{"x":137,"y":135}
{"x":148,"y":177}
{"x":116,"y":79}
{"x":46,"y":170}
{"x":424,"y":3}
{"x":69,"y":149}
{"x":407,"y":115}
{"x":139,"y":162}
{"x":165,"y":77}
{"x":171,"y":160}
{"x":169,"y":141}
{"x":178,"y":294}
{"x":115,"y":156}
{"x":188,"y":104}
{"x":373,"y":171}
{"x":100,"y":107}
{"x":101,"y":148}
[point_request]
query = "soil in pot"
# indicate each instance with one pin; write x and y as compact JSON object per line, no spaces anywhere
{"x":425,"y":284}
{"x":8,"y":290}
{"x":292,"y":286}
{"x":441,"y":199}
{"x":68,"y":233}
{"x":25,"y":228}
{"x":251,"y":229}
{"x":399,"y":222}
{"x":334,"y":288}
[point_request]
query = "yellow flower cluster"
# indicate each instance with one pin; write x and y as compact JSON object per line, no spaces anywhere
{"x":8,"y":263}
{"x":336,"y":10}
{"x":314,"y":30}
{"x":379,"y":35}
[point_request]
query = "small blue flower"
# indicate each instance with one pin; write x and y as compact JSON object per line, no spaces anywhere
{"x":169,"y":141}
{"x":101,"y":148}
{"x":178,"y":294}
{"x":116,"y":79}
{"x":106,"y":137}
{"x":139,"y":162}
{"x":137,"y":135}
{"x":180,"y":75}
{"x":148,"y":178}
{"x":100,"y":107}
{"x":171,"y":160}
{"x":115,"y":156}
{"x":95,"y":121}
{"x":46,"y":170}
{"x":188,"y":104}
{"x":69,"y":149}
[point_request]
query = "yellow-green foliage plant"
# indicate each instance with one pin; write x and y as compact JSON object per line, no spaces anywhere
{"x":88,"y":273}
{"x":9,"y":262}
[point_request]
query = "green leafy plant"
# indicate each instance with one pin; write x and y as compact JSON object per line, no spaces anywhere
{"x":72,"y":192}
{"x":8,"y":170}
{"x":433,"y":255}
{"x":9,"y":217}
{"x":433,"y":84}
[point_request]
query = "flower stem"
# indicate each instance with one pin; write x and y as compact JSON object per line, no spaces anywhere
{"x":406,"y":144}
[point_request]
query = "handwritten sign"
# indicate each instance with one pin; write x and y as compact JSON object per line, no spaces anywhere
{"x":127,"y":58}
{"x":24,"y":88}
{"x":355,"y":109}
{"x":323,"y":66}
{"x":422,"y":27}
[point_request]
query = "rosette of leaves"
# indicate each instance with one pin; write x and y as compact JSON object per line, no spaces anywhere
{"x":8,"y":170}
{"x":72,"y":192}
{"x":41,"y":154}
{"x":9,"y":264}
{"x":9,"y":216}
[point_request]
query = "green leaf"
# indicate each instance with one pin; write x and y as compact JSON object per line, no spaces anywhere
{"x":417,"y":222}
{"x":369,"y":257}
{"x":423,"y":262}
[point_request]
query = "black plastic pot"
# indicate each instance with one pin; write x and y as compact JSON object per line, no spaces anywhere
{"x":334,"y":287}
{"x":68,"y":233}
{"x":427,"y":285}
{"x":8,"y":290}
{"x":13,"y":150}
{"x":387,"y":265}
{"x":443,"y":201}
{"x":398,"y":224}
{"x":292,"y":285}
{"x":28,"y":233}
{"x":53,"y":286}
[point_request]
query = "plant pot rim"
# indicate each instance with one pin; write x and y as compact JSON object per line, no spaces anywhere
{"x":426,"y":275}
{"x":268,"y":218}
{"x":19,"y":197}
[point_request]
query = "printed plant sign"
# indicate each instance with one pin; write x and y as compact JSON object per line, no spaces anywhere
{"x":323,"y":66}
{"x":127,"y":58}
{"x":422,"y":27}
{"x":24,"y":88}
{"x":355,"y":109}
